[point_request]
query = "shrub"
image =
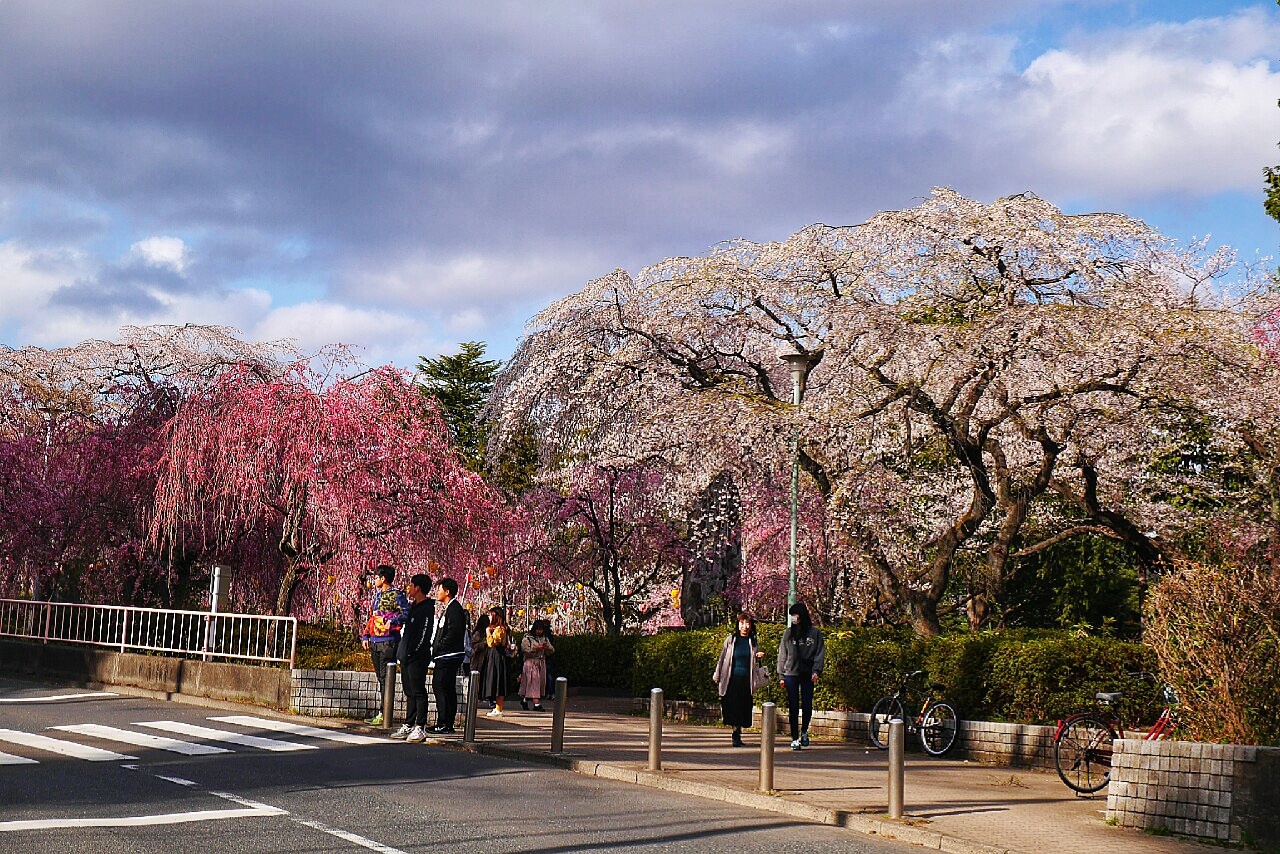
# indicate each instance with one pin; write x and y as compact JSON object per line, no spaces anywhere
{"x":325,"y":646}
{"x":1216,"y":632}
{"x":597,"y":661}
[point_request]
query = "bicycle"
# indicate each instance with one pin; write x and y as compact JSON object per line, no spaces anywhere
{"x":1082,"y":743}
{"x":936,"y":724}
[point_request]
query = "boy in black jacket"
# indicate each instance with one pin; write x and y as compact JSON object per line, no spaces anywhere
{"x":448,"y":652}
{"x":414,"y":655}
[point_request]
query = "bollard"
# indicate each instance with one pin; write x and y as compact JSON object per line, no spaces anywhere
{"x":473,"y":700}
{"x":897,"y":744}
{"x":768,"y":734}
{"x":557,"y":715}
{"x":389,"y":695}
{"x":655,"y":729}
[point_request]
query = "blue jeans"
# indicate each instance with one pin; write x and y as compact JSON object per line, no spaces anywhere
{"x":799,"y":697}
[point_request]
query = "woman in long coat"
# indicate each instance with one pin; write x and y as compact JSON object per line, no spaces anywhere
{"x":536,"y":646}
{"x":493,"y":680}
{"x":738,"y":675}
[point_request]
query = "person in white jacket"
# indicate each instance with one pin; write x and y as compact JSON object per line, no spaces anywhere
{"x":738,"y":674}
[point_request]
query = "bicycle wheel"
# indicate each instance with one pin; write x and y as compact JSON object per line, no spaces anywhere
{"x":1082,"y":753}
{"x":885,"y":710}
{"x":938,"y":729}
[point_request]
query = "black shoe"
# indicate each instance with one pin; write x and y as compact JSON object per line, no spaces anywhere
{"x":441,"y":730}
{"x":737,"y":739}
{"x":524,"y":704}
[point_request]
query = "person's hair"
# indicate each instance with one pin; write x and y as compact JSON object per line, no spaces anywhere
{"x":541,"y":624}
{"x":422,"y":581}
{"x":482,"y":623}
{"x":450,"y":585}
{"x":499,"y":616}
{"x":743,"y":615}
{"x":387,"y":573}
{"x":806,"y":622}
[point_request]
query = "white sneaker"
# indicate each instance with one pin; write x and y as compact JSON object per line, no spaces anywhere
{"x":495,"y":712}
{"x":417,"y":734}
{"x":795,"y":744}
{"x":403,"y":732}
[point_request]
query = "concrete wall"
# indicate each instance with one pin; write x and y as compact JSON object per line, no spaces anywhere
{"x":238,"y":683}
{"x":1223,"y":792}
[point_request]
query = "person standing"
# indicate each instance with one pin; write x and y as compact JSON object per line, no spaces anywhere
{"x":479,"y":651}
{"x":536,"y":646}
{"x":381,"y":635}
{"x":493,"y":682}
{"x":738,"y":674}
{"x":447,"y":651}
{"x":801,"y":655}
{"x":413,"y":655}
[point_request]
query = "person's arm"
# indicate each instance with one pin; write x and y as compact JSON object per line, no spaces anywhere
{"x":820,"y":656}
{"x":402,"y":605}
{"x":782,"y":652}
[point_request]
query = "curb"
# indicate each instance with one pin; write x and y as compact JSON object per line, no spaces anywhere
{"x":870,"y":825}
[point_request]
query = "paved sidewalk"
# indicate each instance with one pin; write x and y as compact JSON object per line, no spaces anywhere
{"x":956,"y":806}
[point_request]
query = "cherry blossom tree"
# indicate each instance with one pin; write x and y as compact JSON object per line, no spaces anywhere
{"x":339,"y":475}
{"x":609,"y":530}
{"x":78,"y":438}
{"x":965,"y":360}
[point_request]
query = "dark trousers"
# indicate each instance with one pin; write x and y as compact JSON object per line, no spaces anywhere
{"x":799,"y":697}
{"x":444,"y":684}
{"x":413,"y":677}
{"x":382,"y":653}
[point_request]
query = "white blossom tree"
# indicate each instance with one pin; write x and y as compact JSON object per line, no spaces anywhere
{"x":965,"y":360}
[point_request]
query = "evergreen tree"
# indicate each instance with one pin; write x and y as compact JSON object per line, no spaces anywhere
{"x":461,"y":384}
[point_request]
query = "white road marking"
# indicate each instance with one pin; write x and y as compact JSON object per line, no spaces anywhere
{"x":143,"y":739}
{"x":181,"y":781}
{"x":347,"y":836}
{"x":66,"y":748}
{"x":211,"y":734}
{"x":139,"y":820}
{"x":299,"y":729}
{"x":10,"y":759}
{"x":51,"y":697}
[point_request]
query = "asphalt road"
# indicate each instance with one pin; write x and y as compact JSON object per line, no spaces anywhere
{"x":302,"y":793}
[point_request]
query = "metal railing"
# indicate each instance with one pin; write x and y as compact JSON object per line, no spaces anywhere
{"x":242,"y":637}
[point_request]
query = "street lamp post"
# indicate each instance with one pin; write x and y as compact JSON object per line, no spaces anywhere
{"x":799,"y":363}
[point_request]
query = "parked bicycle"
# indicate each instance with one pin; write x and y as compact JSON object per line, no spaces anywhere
{"x":1082,"y":744}
{"x":936,"y":723}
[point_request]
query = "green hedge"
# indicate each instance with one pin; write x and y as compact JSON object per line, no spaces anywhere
{"x":1027,"y":676}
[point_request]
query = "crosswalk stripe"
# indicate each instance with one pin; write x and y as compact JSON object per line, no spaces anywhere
{"x":66,"y":748}
{"x":223,"y":735}
{"x":299,"y":729}
{"x":10,"y":759}
{"x":143,"y":739}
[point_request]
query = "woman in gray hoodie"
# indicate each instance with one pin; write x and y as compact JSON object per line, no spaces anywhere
{"x":801,"y":655}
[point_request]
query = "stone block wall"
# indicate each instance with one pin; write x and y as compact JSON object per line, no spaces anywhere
{"x":353,"y":694}
{"x":1022,"y":745}
{"x":1222,"y":792}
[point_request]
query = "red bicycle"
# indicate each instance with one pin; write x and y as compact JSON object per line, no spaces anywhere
{"x":1082,"y":743}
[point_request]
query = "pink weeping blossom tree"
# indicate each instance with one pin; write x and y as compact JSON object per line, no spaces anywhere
{"x":308,"y":482}
{"x":79,"y":431}
{"x":609,"y":530}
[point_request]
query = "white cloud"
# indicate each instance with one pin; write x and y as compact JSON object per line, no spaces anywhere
{"x":168,"y":252}
{"x":1166,"y":108}
{"x":469,"y":281}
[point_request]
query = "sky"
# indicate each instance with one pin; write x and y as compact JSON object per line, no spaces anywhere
{"x":404,"y":176}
